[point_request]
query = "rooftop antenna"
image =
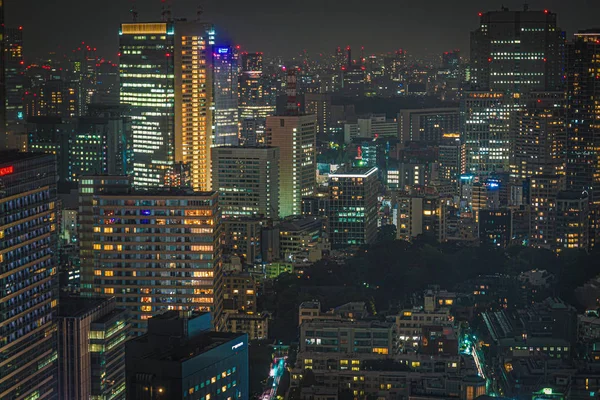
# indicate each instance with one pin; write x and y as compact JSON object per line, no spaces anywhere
{"x":199,"y":12}
{"x":133,"y":11}
{"x":166,"y":11}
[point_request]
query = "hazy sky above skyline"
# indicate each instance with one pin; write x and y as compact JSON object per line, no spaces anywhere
{"x":283,"y":27}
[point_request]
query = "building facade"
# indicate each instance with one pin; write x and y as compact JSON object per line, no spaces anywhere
{"x":352,"y":215}
{"x":167,"y":81}
{"x":247,"y":179}
{"x":92,"y":335}
{"x":29,"y":278}
{"x":296,"y":136}
{"x":153,"y":251}
{"x":199,"y":364}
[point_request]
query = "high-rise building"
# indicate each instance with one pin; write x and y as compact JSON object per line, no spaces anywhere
{"x":242,"y":238}
{"x":92,"y":334}
{"x":371,"y":126}
{"x":29,"y":279}
{"x":583,"y":112}
{"x":98,"y":143}
{"x":543,"y":192}
{"x":247,"y":180}
{"x":197,"y":363}
{"x":107,"y":84}
{"x":254,"y":103}
{"x":295,"y":135}
{"x":495,"y":227}
{"x":538,"y":138}
{"x":52,"y":98}
{"x":166,"y":78}
{"x":3,"y":137}
{"x":152,"y":250}
{"x":450,"y":160}
{"x":421,"y":215}
{"x":517,"y":51}
{"x":320,"y":105}
{"x":485,"y":128}
{"x":572,"y":221}
{"x":353,"y":207}
{"x":429,"y":124}
{"x":582,"y":126}
{"x":15,"y":80}
{"x":225,"y":67}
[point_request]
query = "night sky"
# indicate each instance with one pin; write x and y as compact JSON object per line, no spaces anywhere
{"x":280,"y":27}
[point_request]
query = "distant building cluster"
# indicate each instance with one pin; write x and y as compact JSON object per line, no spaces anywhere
{"x":148,"y":203}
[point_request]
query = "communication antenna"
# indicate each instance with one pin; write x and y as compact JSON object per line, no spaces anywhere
{"x":133,"y":11}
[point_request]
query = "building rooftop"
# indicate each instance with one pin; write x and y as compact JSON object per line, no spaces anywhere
{"x":78,"y":307}
{"x":355,"y":173}
{"x":182,"y":350}
{"x":11,"y":156}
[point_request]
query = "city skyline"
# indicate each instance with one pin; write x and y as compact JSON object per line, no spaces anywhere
{"x":381,"y":28}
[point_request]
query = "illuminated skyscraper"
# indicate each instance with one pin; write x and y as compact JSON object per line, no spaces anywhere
{"x":296,"y":136}
{"x":485,"y":121}
{"x":3,"y":138}
{"x":166,"y":78}
{"x":538,"y":138}
{"x":583,"y":114}
{"x":225,"y":64}
{"x":247,"y":179}
{"x":353,"y":207}
{"x":254,"y":105}
{"x":15,"y":80}
{"x":583,"y":122}
{"x":517,"y":51}
{"x":154,"y":250}
{"x":29,"y":278}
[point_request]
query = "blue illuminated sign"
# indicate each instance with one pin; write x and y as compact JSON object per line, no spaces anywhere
{"x":222,"y":50}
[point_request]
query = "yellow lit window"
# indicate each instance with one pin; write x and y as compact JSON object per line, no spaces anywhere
{"x":108,"y":247}
{"x":108,"y":273}
{"x":97,"y":272}
{"x":109,"y":290}
{"x":97,"y":246}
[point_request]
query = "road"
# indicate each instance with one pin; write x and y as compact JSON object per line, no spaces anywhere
{"x":275,"y":374}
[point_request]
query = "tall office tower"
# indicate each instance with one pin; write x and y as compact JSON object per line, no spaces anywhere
{"x":353,"y":207}
{"x":84,"y":71}
{"x":543,"y":192}
{"x":583,"y":114}
{"x":485,"y":121}
{"x":254,"y":103}
{"x":91,"y":344}
{"x":451,"y":60}
{"x":29,"y":279}
{"x":107,"y":84}
{"x":450,"y":160}
{"x":572,"y":221}
{"x":538,"y":137}
{"x":320,"y":105}
{"x":247,"y":180}
{"x":15,"y":80}
{"x":3,"y":138}
{"x":53,"y":98}
{"x":429,"y":124}
{"x":517,"y":51}
{"x":152,"y":250}
{"x":165,"y":77}
{"x":296,"y":137}
{"x":252,"y":132}
{"x":98,"y":143}
{"x":583,"y":126}
{"x":225,"y":67}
